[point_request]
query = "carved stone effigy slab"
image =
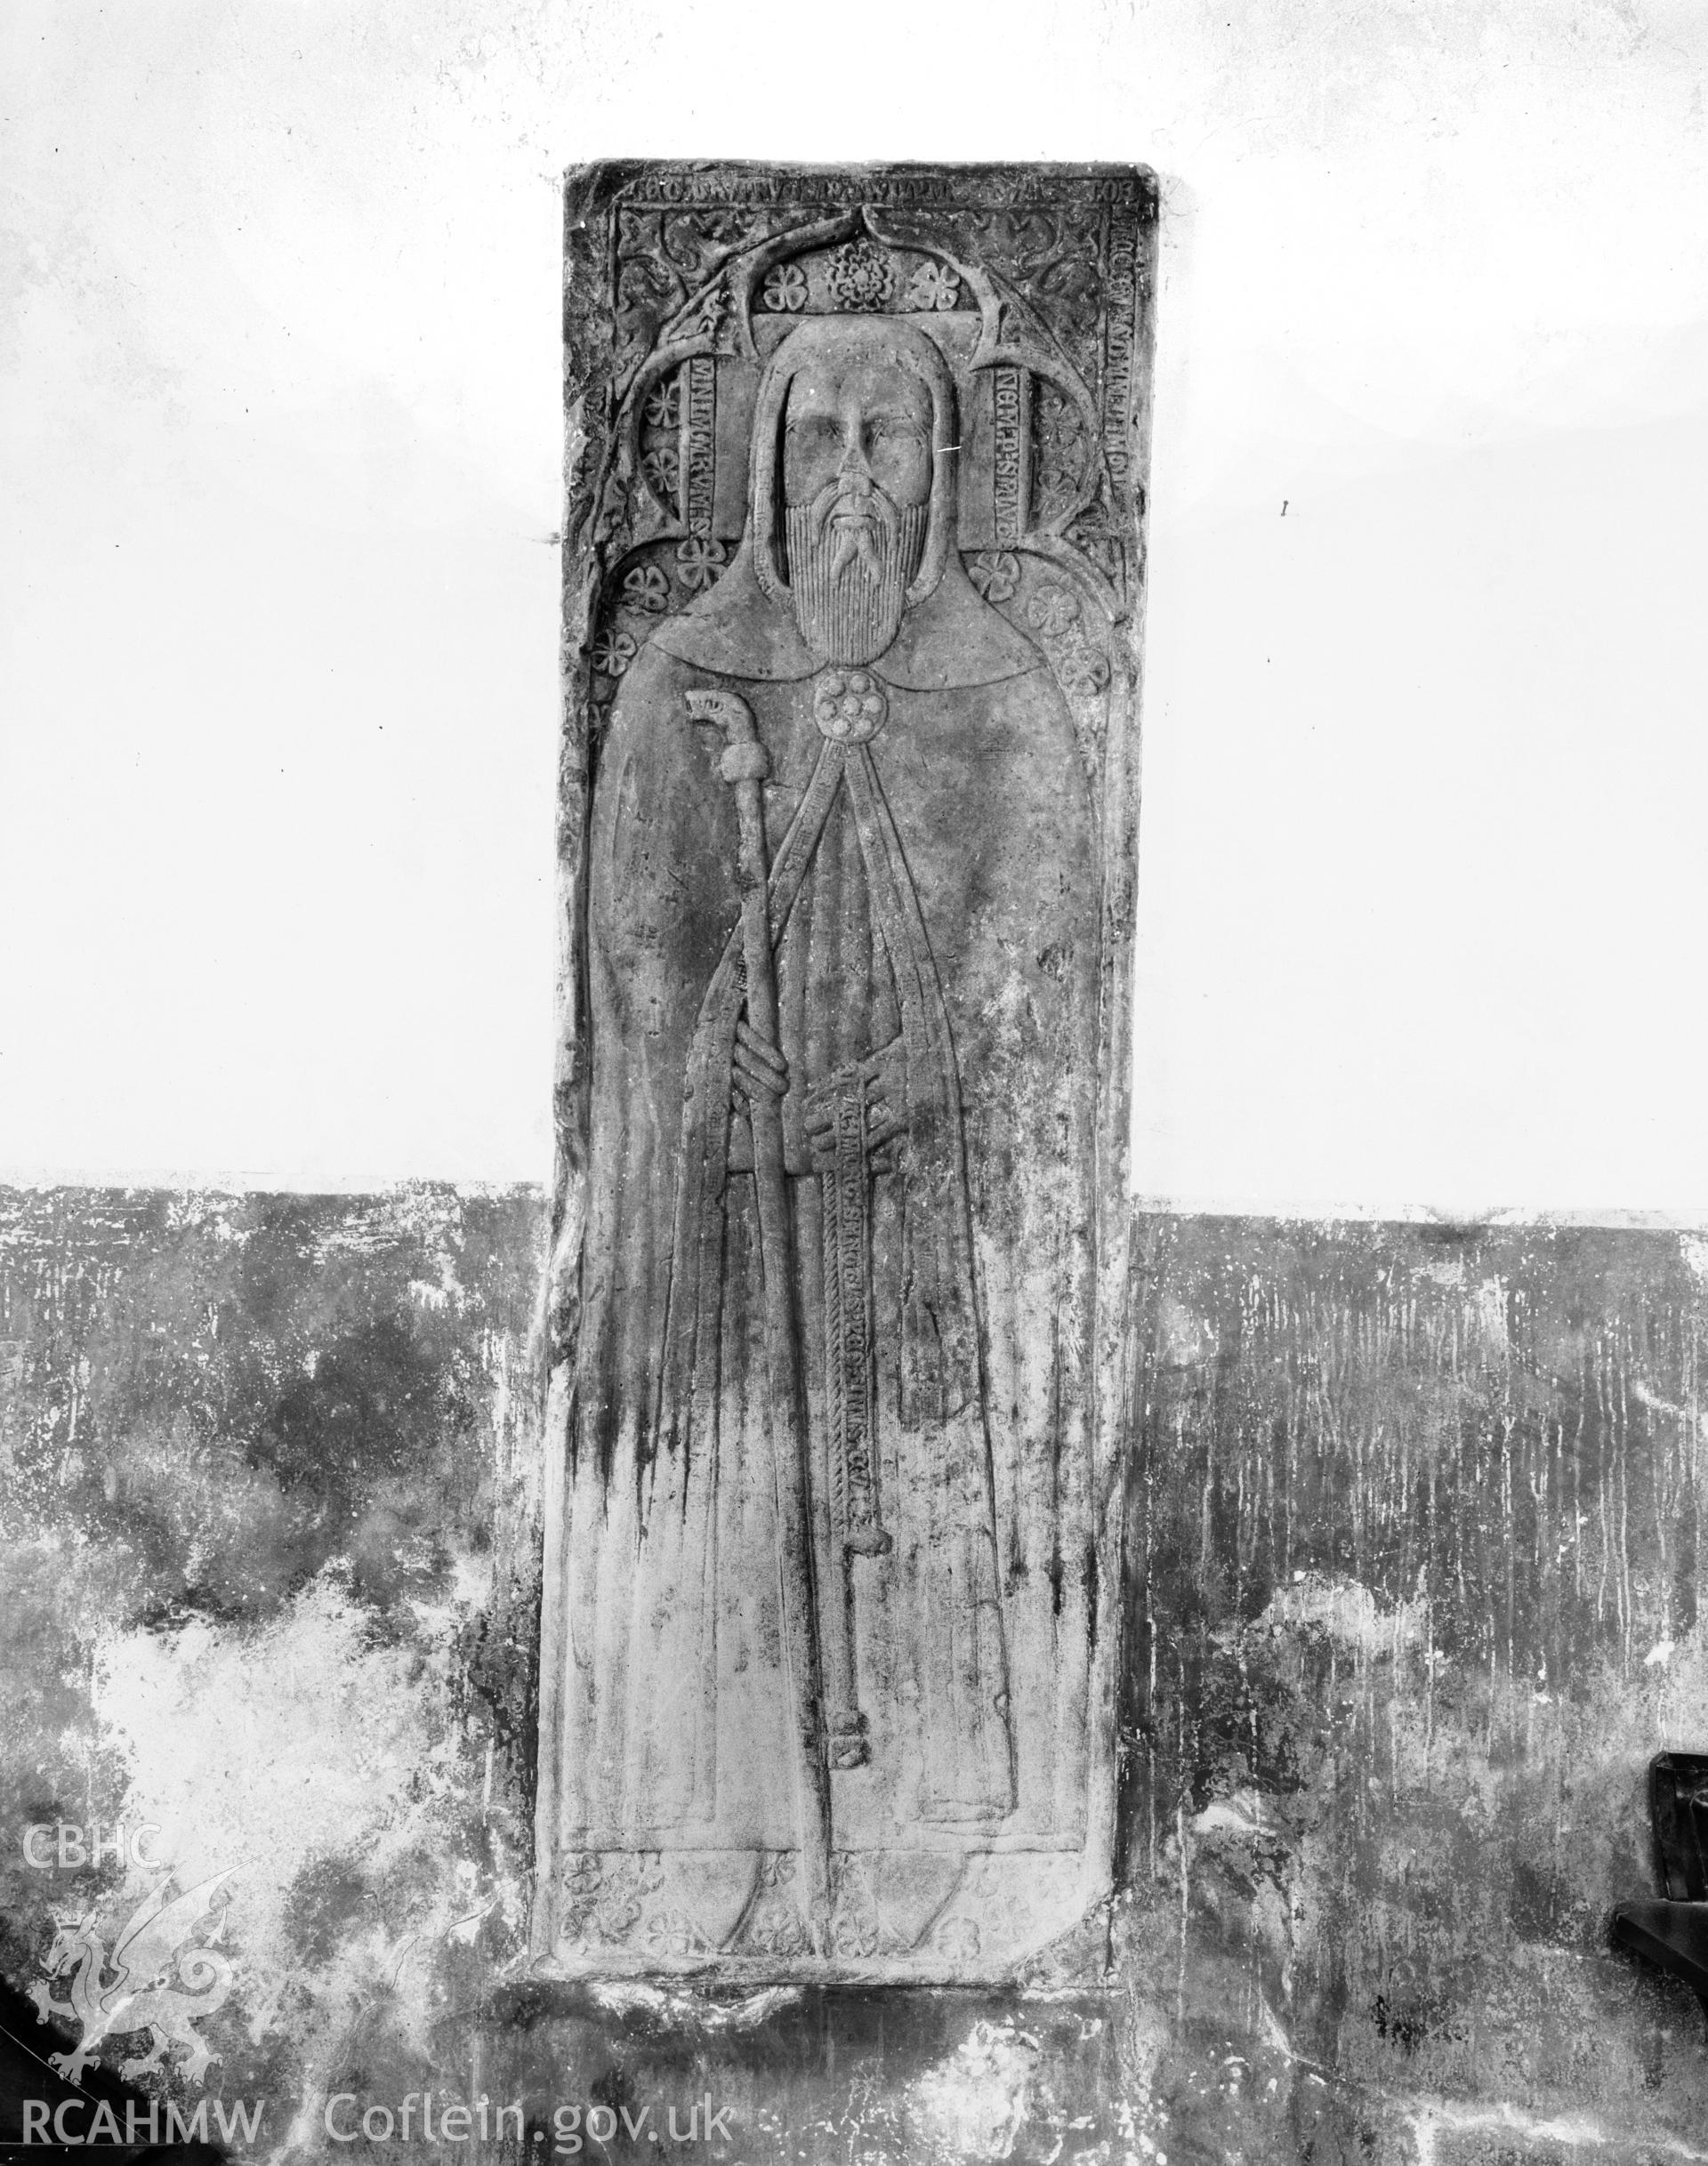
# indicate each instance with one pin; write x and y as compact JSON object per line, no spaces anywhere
{"x":838,"y":1318}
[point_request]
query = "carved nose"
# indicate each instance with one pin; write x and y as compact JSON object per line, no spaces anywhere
{"x":854,"y":470}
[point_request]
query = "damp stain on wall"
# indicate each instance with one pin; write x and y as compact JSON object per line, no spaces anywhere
{"x":269,"y":1492}
{"x":1415,"y":1542}
{"x":1414,"y":1592}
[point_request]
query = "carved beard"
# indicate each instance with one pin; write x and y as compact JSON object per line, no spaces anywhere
{"x":852,"y":560}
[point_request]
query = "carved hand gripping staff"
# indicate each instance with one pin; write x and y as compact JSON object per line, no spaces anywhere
{"x":833,"y":1614}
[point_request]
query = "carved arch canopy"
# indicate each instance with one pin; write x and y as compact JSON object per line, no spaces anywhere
{"x":1033,"y":285}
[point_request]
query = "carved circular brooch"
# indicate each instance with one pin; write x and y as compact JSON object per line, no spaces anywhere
{"x":849,"y":705}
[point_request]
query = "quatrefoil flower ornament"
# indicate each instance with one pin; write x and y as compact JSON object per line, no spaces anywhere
{"x":613,"y":653}
{"x":672,"y":1932}
{"x":997,"y":575}
{"x":1054,"y":611}
{"x":1084,"y":673}
{"x":699,"y":562}
{"x":932,"y":287}
{"x":664,"y":405}
{"x":957,"y":1938}
{"x":661,"y":469}
{"x":645,"y":588}
{"x":855,"y":1935}
{"x":784,"y":290}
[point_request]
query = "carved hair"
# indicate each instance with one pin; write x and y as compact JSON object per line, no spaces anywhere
{"x":882,"y":338}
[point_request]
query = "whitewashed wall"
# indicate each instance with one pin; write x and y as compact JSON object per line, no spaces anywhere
{"x":1425,"y":770}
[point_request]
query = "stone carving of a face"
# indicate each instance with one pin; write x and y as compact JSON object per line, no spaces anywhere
{"x":857,"y":482}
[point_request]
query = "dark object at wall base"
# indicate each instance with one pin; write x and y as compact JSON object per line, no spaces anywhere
{"x":1674,"y":1934}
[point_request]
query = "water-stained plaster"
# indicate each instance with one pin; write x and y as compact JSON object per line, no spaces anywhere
{"x":270,"y":1592}
{"x":1416,"y":1532}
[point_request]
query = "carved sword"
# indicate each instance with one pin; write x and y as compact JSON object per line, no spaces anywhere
{"x":744,"y":765}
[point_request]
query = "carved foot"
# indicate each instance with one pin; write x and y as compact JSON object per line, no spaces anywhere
{"x":910,"y":1889}
{"x":712,"y":1890}
{"x":665,"y":1904}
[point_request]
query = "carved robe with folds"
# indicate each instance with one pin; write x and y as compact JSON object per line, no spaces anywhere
{"x":934,"y":908}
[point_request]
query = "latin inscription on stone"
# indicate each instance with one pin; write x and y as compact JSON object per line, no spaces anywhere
{"x":838,"y":1314}
{"x":1008,"y":462}
{"x":701,"y":375}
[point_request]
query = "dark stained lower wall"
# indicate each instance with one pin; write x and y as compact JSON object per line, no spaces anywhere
{"x":269,"y":1496}
{"x":1413,"y":1528}
{"x":1418,"y":1511}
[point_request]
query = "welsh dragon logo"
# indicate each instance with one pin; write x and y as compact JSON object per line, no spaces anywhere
{"x":139,"y":1994}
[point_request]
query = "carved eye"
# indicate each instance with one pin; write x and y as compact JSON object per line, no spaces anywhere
{"x":894,"y":429}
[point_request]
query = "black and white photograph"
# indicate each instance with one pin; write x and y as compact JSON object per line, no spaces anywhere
{"x":853,"y":1171}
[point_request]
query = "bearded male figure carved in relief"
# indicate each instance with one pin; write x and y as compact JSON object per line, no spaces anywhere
{"x":822,"y":1611}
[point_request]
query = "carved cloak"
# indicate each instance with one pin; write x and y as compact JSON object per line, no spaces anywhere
{"x":959,"y":854}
